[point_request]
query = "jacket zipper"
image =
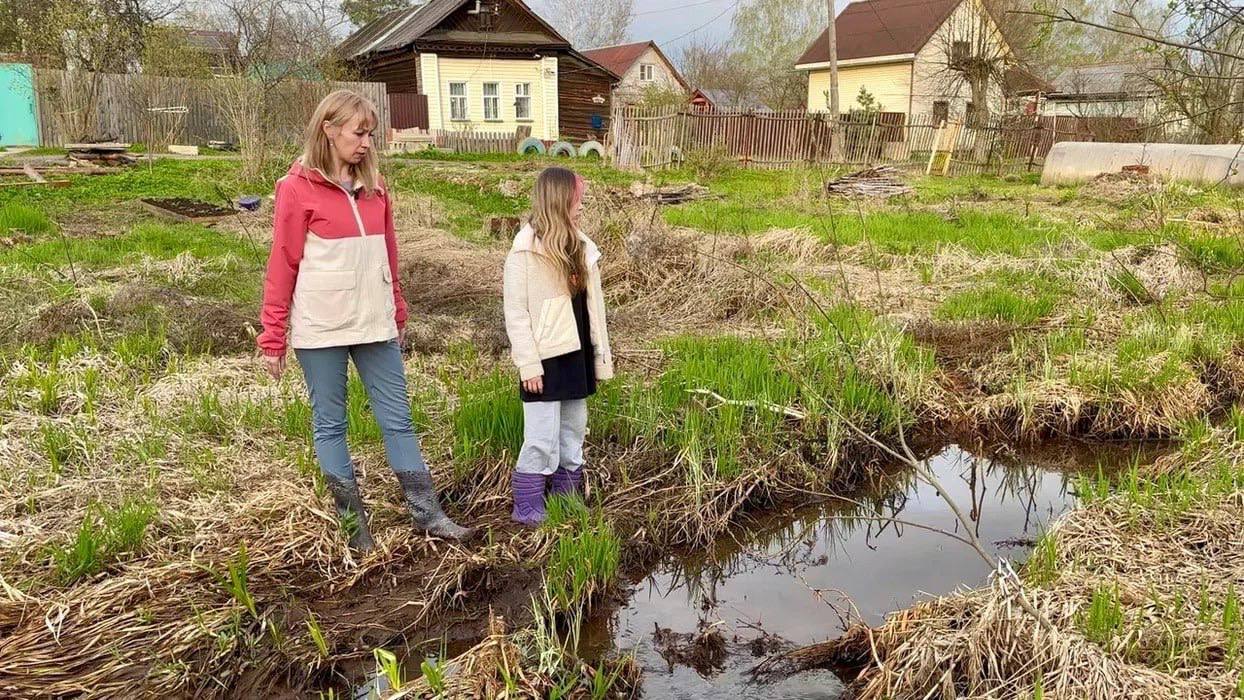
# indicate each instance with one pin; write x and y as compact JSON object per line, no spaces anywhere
{"x":354,"y":207}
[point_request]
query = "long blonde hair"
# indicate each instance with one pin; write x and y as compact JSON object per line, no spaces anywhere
{"x":556,"y":193}
{"x":338,"y":108}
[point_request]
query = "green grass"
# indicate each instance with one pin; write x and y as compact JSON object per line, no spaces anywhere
{"x":1042,"y":566}
{"x":585,"y":559}
{"x":19,"y":218}
{"x":894,"y":232}
{"x":155,"y":240}
{"x":467,"y":206}
{"x":1104,"y":617}
{"x":488,"y":418}
{"x":211,"y":180}
{"x":105,"y":536}
{"x":1012,"y":297}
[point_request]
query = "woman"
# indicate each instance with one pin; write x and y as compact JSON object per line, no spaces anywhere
{"x":332,"y":284}
{"x":555,"y":318}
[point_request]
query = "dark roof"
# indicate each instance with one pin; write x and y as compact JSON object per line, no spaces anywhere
{"x":619,"y":59}
{"x":1118,"y":78}
{"x":881,"y":28}
{"x":401,"y":28}
{"x":1021,"y":81}
{"x":208,"y":40}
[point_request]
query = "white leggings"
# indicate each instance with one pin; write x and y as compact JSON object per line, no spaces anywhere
{"x":553,"y":434}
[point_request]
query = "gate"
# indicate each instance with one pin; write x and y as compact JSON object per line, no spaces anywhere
{"x":407,"y":110}
{"x":19,"y":124}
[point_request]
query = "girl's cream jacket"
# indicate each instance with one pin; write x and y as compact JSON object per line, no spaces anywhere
{"x":539,"y":317}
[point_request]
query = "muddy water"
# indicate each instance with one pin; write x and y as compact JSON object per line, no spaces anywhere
{"x":796,"y":580}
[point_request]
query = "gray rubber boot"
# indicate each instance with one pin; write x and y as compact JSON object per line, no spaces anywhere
{"x":351,"y":512}
{"x":425,"y":510}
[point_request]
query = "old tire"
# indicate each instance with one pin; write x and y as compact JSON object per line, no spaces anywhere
{"x":591,"y":148}
{"x":531,"y":145}
{"x":561,"y":148}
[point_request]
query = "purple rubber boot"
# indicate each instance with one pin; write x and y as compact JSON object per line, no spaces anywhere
{"x":565,"y":481}
{"x":528,"y":498}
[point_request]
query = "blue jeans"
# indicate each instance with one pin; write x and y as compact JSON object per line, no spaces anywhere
{"x":380,"y":367}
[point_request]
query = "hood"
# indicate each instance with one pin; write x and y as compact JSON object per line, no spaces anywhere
{"x":297,"y":169}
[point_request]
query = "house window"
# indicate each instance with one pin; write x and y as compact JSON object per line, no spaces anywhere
{"x":492,"y":101}
{"x":458,"y":101}
{"x":941,"y":111}
{"x":522,"y":101}
{"x":969,"y":113}
{"x":647,"y":72}
{"x":960,"y":51}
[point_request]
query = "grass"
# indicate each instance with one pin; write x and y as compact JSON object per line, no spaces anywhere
{"x":466,"y":206}
{"x":215,"y":181}
{"x":1012,"y":297}
{"x":1104,"y":617}
{"x":20,"y":218}
{"x":894,"y":232}
{"x":585,"y":559}
{"x":106,"y":535}
{"x":488,"y":418}
{"x":153,"y":240}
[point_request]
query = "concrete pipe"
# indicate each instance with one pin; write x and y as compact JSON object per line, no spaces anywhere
{"x":1073,"y":161}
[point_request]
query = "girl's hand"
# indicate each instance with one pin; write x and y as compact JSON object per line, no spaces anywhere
{"x":535,"y":385}
{"x":275,"y":365}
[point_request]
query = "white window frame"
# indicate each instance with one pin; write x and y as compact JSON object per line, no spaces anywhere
{"x":492,"y":103}
{"x":522,"y":101}
{"x":459,"y":101}
{"x":650,"y":69}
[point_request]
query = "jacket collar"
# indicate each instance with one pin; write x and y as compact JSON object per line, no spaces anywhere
{"x":317,"y":176}
{"x":526,"y":240}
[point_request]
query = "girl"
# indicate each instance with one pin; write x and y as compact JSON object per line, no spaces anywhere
{"x":555,"y":318}
{"x":332,"y":284}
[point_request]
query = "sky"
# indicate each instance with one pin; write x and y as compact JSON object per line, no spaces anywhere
{"x":672,"y":23}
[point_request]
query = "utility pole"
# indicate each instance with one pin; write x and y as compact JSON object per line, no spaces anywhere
{"x":833,"y":61}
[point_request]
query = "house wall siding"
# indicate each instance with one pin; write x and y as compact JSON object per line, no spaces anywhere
{"x":932,"y":82}
{"x":631,"y":89}
{"x":889,"y":83}
{"x":439,"y":72}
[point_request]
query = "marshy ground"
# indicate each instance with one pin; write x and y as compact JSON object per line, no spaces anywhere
{"x":164,"y":530}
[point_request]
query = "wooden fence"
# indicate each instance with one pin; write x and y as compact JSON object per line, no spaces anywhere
{"x":647,"y":138}
{"x":477,"y":141}
{"x":158,"y":110}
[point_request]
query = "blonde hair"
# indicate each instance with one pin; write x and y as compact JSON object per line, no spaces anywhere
{"x":556,"y":193}
{"x":338,"y":108}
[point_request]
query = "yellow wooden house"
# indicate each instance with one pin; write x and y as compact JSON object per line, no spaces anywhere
{"x":897,"y":51}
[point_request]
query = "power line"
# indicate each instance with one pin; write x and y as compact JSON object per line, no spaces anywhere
{"x":678,"y":7}
{"x":733,"y":6}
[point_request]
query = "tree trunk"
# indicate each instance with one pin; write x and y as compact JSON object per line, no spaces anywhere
{"x":980,"y":119}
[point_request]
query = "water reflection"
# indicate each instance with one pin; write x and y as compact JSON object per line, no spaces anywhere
{"x":803,"y":579}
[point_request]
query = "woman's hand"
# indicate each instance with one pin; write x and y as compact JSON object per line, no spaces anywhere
{"x":275,"y":365}
{"x":535,"y":385}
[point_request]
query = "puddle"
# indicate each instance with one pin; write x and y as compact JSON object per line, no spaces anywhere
{"x":798,"y":578}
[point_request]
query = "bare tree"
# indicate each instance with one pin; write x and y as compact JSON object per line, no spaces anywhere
{"x":1200,"y":47}
{"x":362,"y":12}
{"x":284,"y":49}
{"x":592,"y":23}
{"x":715,"y":67}
{"x":770,"y":35}
{"x":832,"y":35}
{"x":971,"y":52}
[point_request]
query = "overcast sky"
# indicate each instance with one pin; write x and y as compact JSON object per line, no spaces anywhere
{"x":672,"y":23}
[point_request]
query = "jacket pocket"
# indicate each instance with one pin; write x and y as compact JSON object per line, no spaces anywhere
{"x":326,"y":297}
{"x":386,"y":276}
{"x":556,"y":327}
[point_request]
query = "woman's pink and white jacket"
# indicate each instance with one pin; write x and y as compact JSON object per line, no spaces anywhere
{"x":332,"y":273}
